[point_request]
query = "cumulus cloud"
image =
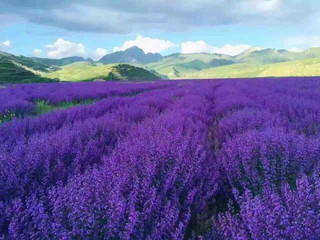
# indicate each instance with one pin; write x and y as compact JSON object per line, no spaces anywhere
{"x":123,"y":16}
{"x":63,"y":48}
{"x":196,"y":47}
{"x":232,"y":50}
{"x":201,"y":46}
{"x":6,"y":43}
{"x":99,"y":53}
{"x":265,"y":5}
{"x":303,"y":41}
{"x":148,"y":45}
{"x":37,"y":52}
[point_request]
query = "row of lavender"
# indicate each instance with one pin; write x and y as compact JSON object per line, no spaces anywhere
{"x":269,"y":148}
{"x":231,"y":159}
{"x":125,"y":167}
{"x":19,"y":99}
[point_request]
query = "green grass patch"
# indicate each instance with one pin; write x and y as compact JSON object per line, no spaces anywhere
{"x":43,"y":106}
{"x":7,"y":117}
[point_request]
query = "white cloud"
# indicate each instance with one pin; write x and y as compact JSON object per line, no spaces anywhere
{"x":232,"y":50}
{"x":37,"y":52}
{"x":196,"y":47}
{"x":62,"y":48}
{"x":264,"y":5}
{"x":99,"y":53}
{"x":148,"y":45}
{"x":6,"y":43}
{"x":303,"y":41}
{"x":201,"y":46}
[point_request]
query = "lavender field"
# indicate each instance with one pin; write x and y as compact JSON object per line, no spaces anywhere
{"x":202,"y":159}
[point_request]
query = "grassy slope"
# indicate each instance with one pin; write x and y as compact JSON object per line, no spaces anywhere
{"x":24,"y":61}
{"x":19,"y":69}
{"x":85,"y":71}
{"x":58,"y":62}
{"x":80,"y":71}
{"x":177,"y":65}
{"x":13,"y":73}
{"x":202,"y":65}
{"x":267,"y":56}
{"x":270,"y":56}
{"x":306,"y":67}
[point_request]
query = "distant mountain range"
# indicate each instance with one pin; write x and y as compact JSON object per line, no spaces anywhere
{"x":133,"y":64}
{"x":59,"y":62}
{"x":131,"y":55}
{"x":177,"y":66}
{"x":20,"y":69}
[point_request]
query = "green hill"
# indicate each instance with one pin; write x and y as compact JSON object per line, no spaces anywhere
{"x":310,"y":53}
{"x":251,"y":63}
{"x":24,"y":61}
{"x":176,"y":65}
{"x":130,"y":55}
{"x":59,"y":62}
{"x":19,"y":69}
{"x":134,"y":64}
{"x":267,"y":56}
{"x":305,"y":67}
{"x":271,"y":55}
{"x":86,"y":71}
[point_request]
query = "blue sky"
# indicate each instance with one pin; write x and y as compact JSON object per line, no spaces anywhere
{"x":93,"y":28}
